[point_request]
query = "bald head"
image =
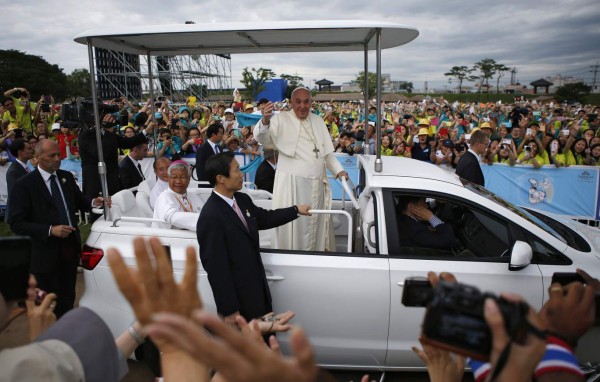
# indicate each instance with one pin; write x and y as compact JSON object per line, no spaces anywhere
{"x":47,"y":154}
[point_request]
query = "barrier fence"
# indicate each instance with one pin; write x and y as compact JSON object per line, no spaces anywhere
{"x":571,"y":191}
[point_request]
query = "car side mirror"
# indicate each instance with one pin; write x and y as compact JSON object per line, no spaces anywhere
{"x":520,"y":257}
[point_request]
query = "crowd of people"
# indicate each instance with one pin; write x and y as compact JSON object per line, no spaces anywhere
{"x":298,"y":140}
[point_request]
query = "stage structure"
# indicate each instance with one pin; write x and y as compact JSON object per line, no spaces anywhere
{"x":121,"y":74}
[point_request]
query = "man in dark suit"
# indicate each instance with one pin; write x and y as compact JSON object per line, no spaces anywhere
{"x":227,"y":232}
{"x":419,"y":227}
{"x":43,"y":205}
{"x":111,"y":143}
{"x":130,"y":169}
{"x":22,"y":153}
{"x":265,"y":174}
{"x":214,"y":136}
{"x":468,"y":166}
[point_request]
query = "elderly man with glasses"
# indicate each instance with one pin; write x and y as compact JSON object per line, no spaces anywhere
{"x":174,"y":205}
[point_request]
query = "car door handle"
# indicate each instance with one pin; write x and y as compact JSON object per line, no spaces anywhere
{"x":275,"y":278}
{"x":401,"y":283}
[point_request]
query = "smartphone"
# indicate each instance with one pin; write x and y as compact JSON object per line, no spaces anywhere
{"x":467,"y":136}
{"x":528,"y":148}
{"x":564,"y":278}
{"x":565,"y":132}
{"x":23,"y":103}
{"x":45,"y":108}
{"x":417,"y":292}
{"x":14,"y":267}
{"x":528,"y":131}
{"x":554,"y":147}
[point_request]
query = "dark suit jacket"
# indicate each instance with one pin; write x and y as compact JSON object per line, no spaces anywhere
{"x":204,"y":152}
{"x":15,"y":171}
{"x":128,"y":173}
{"x":265,"y":176}
{"x":32,"y":212}
{"x":469,"y":168}
{"x":88,"y":150}
{"x":415,"y":233}
{"x":230,"y":254}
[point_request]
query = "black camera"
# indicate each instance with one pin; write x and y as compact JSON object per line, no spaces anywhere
{"x":81,"y":112}
{"x":454,"y":319}
{"x":516,"y":114}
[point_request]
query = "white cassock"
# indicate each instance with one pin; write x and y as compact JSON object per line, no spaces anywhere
{"x":177,"y":210}
{"x":301,"y":177}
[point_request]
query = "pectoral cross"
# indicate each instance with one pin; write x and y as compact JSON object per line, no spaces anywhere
{"x":316,"y":151}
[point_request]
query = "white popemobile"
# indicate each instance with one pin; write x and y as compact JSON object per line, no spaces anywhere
{"x":349,"y":301}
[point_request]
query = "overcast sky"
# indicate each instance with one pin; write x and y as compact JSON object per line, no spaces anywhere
{"x":538,"y":38}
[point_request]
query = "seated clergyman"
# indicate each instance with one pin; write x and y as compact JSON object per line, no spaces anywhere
{"x":174,"y":205}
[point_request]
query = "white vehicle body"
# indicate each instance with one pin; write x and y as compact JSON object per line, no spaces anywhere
{"x":349,"y":302}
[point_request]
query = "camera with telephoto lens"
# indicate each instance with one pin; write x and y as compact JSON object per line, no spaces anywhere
{"x":454,"y":318}
{"x":516,"y":114}
{"x":81,"y":113}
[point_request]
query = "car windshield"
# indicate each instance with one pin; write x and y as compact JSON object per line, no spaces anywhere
{"x":517,"y":210}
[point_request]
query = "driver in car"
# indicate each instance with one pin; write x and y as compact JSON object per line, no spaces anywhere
{"x":419,"y":227}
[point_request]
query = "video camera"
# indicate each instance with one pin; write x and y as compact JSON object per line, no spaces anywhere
{"x":516,"y":113}
{"x":454,"y":319}
{"x":81,"y":113}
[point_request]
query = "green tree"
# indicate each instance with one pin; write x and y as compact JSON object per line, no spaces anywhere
{"x":293,"y":83}
{"x":460,"y":73}
{"x":360,"y":81}
{"x":487,"y":69}
{"x":19,"y":69}
{"x":406,"y":85}
{"x":575,"y":92}
{"x":79,"y":83}
{"x":500,"y":69}
{"x":254,"y":80}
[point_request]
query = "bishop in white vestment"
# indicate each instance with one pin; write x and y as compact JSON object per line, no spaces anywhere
{"x":305,"y":152}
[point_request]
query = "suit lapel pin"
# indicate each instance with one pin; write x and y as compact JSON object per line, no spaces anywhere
{"x":63,"y":180}
{"x":247,"y":213}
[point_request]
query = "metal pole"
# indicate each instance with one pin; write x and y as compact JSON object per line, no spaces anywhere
{"x":378,"y":162}
{"x":155,"y":132}
{"x":366,"y":146}
{"x":101,"y":164}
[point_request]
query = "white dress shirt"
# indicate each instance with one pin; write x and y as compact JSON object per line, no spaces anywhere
{"x":177,"y":210}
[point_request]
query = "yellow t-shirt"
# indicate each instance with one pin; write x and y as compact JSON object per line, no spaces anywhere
{"x":541,"y":158}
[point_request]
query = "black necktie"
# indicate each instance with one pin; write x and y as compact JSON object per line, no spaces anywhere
{"x":58,"y":201}
{"x":140,"y":170}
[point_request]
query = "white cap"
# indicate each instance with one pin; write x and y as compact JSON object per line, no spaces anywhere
{"x":55,"y":126}
{"x":229,"y":110}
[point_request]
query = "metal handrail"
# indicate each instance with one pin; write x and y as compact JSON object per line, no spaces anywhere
{"x":336,"y":212}
{"x":135,"y":219}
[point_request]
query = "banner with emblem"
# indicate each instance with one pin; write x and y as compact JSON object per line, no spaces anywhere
{"x":571,"y":191}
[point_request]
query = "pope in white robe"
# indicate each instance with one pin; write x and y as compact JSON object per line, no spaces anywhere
{"x":305,"y":152}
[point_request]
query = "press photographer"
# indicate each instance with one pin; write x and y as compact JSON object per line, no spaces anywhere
{"x":111,"y":143}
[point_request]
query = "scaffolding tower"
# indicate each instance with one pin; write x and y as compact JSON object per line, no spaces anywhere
{"x":177,"y":77}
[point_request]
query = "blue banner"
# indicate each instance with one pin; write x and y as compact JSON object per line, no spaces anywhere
{"x":571,"y":191}
{"x":74,"y":167}
{"x":350,"y":165}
